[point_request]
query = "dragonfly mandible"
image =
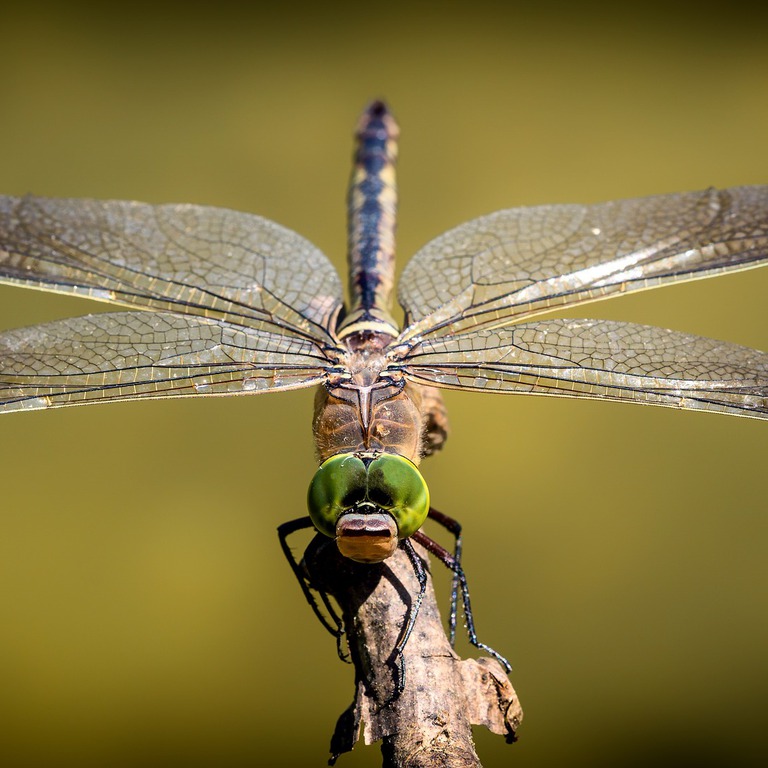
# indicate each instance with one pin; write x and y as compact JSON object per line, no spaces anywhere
{"x":225,"y":303}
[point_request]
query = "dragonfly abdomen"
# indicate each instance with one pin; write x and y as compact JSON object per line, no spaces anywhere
{"x":372,"y":210}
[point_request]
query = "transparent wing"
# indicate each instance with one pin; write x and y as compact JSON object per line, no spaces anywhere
{"x":511,"y":265}
{"x":129,"y":355}
{"x":598,"y":359}
{"x":202,"y":261}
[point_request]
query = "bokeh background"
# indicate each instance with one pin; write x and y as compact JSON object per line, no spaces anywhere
{"x":617,"y":554}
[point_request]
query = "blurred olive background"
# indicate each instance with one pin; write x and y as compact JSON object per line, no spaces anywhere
{"x":616,"y":553}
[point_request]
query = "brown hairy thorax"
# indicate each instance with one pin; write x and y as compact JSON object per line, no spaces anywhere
{"x":366,"y":411}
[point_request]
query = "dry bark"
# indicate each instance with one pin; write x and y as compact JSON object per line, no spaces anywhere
{"x":429,"y":722}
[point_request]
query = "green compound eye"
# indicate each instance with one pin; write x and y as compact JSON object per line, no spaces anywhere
{"x":337,"y":485}
{"x":396,"y":485}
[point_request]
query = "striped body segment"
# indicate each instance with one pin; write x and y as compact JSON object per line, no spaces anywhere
{"x":372,"y":208}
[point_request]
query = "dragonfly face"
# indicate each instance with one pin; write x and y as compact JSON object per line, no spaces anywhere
{"x":368,"y":502}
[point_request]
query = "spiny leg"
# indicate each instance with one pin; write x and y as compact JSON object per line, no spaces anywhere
{"x":454,"y":527}
{"x":449,"y":561}
{"x":337,"y":627}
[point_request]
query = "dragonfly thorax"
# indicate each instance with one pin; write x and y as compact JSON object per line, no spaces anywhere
{"x":366,"y":412}
{"x":386,"y":418}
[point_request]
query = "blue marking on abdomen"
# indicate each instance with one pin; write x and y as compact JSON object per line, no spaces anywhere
{"x":372,"y":158}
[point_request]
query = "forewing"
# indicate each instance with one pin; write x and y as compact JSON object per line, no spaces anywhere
{"x":598,"y":359}
{"x":513,"y":264}
{"x":130,"y":355}
{"x":192,"y":259}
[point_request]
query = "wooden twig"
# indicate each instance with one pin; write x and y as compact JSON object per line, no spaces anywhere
{"x":429,"y":722}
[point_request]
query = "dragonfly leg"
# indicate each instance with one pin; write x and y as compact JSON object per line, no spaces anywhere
{"x":454,"y":527}
{"x":449,"y":561}
{"x":336,"y":625}
{"x":413,"y":610}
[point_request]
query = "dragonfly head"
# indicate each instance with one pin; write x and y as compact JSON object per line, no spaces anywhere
{"x":368,"y":502}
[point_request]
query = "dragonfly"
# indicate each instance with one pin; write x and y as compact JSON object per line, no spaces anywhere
{"x":217,"y":303}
